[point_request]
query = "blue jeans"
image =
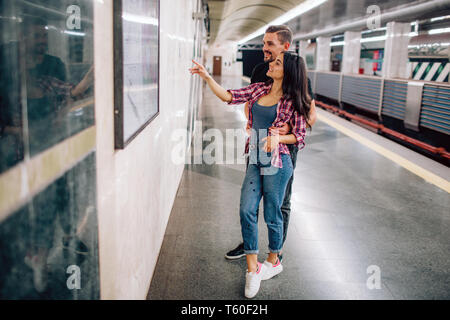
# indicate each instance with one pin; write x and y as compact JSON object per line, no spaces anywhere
{"x":272,"y":186}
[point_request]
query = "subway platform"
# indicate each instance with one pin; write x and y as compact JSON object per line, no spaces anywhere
{"x":363,"y":225}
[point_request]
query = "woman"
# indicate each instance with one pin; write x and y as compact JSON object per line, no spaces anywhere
{"x":281,"y":100}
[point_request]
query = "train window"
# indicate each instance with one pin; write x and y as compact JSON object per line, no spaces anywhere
{"x":136,"y":55}
{"x":46,"y":75}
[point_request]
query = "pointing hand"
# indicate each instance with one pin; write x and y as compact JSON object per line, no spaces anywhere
{"x":200,"y":70}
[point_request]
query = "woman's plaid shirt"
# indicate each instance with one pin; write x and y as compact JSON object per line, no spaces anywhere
{"x":285,"y":114}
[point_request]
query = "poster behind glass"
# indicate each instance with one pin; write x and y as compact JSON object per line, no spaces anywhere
{"x":137,"y":67}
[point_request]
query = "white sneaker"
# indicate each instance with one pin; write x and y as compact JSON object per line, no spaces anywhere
{"x":272,"y":270}
{"x":253,"y":281}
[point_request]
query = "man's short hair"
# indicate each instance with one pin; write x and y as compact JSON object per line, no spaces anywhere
{"x":284,"y":33}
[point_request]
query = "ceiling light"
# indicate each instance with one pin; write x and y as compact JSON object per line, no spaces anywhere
{"x":291,"y":14}
{"x":337,"y":44}
{"x":373,"y":39}
{"x":139,"y":19}
{"x":75,"y":33}
{"x":374,"y":30}
{"x":438,"y":31}
{"x":439,"y":18}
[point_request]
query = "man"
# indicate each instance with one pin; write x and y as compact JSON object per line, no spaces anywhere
{"x":277,"y":39}
{"x":47,"y":86}
{"x":36,"y":43}
{"x":38,"y":62}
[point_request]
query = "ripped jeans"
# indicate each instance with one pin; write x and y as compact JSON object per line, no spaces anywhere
{"x":272,"y":188}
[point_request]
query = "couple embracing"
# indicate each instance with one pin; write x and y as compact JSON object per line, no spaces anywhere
{"x":279,"y":108}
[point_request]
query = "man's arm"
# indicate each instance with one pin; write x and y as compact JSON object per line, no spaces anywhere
{"x":312,"y":111}
{"x":312,"y":114}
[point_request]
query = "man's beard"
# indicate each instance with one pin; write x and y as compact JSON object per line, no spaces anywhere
{"x":39,"y":50}
{"x":269,"y":59}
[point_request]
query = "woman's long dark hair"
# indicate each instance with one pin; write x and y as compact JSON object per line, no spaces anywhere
{"x":295,"y":84}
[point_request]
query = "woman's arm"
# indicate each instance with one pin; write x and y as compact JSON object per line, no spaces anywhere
{"x":220,"y":92}
{"x":84,"y":84}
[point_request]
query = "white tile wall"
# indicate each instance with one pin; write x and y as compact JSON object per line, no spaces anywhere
{"x":228,"y":52}
{"x":137,"y":186}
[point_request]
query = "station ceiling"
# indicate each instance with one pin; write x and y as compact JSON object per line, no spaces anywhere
{"x":233,"y":20}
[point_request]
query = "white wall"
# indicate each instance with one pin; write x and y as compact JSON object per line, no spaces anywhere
{"x":136,"y":187}
{"x":228,"y":52}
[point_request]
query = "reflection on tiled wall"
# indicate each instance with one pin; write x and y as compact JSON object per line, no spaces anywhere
{"x":49,"y":247}
{"x":46,"y":75}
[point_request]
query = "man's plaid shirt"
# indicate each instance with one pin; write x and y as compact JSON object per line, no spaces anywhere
{"x":285,"y":114}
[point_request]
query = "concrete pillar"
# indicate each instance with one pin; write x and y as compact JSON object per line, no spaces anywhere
{"x":396,"y":50}
{"x":323,"y":54}
{"x":302,"y":47}
{"x":352,"y":52}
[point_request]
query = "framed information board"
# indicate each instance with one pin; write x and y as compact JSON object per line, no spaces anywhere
{"x":136,"y":74}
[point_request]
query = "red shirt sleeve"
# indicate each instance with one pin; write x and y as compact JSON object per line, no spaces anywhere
{"x":243,"y":95}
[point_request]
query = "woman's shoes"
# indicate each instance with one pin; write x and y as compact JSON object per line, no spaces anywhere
{"x":265,"y":271}
{"x":253,"y":281}
{"x":272,"y":270}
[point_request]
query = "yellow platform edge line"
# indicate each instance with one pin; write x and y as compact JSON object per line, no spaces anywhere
{"x":405,"y":163}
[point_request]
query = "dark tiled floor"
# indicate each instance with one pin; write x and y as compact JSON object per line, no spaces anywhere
{"x":351,"y":209}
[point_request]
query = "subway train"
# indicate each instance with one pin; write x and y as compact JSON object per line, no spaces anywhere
{"x":414,"y":112}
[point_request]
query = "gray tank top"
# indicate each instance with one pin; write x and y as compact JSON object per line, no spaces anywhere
{"x":263,"y":118}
